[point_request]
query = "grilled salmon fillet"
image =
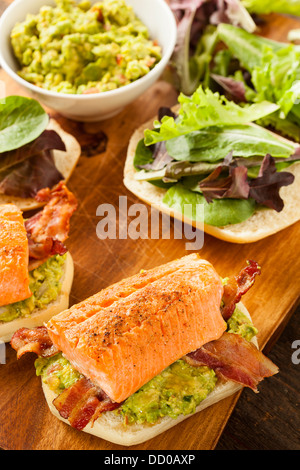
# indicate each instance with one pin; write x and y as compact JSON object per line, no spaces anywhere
{"x":129,"y":332}
{"x":14,"y":256}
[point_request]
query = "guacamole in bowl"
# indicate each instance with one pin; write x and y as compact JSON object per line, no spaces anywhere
{"x":83,"y":48}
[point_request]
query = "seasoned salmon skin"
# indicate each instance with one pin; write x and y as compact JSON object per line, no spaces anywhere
{"x":126,"y":334}
{"x":14,"y":255}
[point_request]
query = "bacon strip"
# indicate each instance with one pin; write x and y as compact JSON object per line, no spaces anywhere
{"x":231,"y":357}
{"x":234,"y":358}
{"x":35,"y":340}
{"x":49,"y":228}
{"x":82,"y":403}
{"x":237,"y":286}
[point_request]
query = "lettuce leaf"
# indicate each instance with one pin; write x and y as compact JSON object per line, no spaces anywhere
{"x":212,"y":144}
{"x":264,"y":189}
{"x":274,"y":73}
{"x":274,"y":66}
{"x":246,"y":47}
{"x":196,"y":38}
{"x":264,"y":7}
{"x":26,"y":170}
{"x":276,"y":79}
{"x":25,"y":179}
{"x":235,"y":185}
{"x":205,"y":109}
{"x":21,"y":121}
{"x":48,"y":140}
{"x":219,"y":212}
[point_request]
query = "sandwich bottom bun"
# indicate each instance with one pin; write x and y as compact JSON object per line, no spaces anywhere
{"x":110,"y":426}
{"x":261,"y":224}
{"x":65,"y":162}
{"x":39,"y":316}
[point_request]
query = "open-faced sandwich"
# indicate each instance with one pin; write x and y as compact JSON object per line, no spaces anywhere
{"x":36,"y":268}
{"x":149,"y":351}
{"x":35,"y":152}
{"x":208,"y":152}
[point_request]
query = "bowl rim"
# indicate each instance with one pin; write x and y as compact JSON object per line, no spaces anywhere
{"x":89,"y":96}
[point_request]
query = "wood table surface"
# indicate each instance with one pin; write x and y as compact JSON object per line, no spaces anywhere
{"x":25,"y":420}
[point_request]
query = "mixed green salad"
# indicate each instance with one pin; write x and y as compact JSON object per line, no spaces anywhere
{"x":197,"y":37}
{"x":26,"y":159}
{"x":211,"y":153}
{"x":216,"y":148}
{"x":260,"y":69}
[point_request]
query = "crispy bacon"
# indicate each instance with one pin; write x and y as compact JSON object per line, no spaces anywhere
{"x":237,"y":286}
{"x":231,"y":357}
{"x":82,"y":403}
{"x":49,"y":228}
{"x":35,"y":340}
{"x":234,"y":358}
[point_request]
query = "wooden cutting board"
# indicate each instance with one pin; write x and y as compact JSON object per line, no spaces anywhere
{"x":25,"y":420}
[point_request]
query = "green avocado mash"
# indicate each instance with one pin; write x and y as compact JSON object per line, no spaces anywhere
{"x":44,"y":283}
{"x":177,"y":390}
{"x":83,"y":48}
{"x":56,"y":372}
{"x":241,"y":325}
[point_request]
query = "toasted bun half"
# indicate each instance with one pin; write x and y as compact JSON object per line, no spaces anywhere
{"x":110,"y":426}
{"x":39,"y":316}
{"x":261,"y":224}
{"x":65,"y":163}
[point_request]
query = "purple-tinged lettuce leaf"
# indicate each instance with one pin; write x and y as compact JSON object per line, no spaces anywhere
{"x":185,"y":15}
{"x":235,"y":88}
{"x":195,"y":42}
{"x":265,"y":188}
{"x":233,"y":12}
{"x":49,"y":139}
{"x":26,"y":170}
{"x":235,"y":185}
{"x":160,"y":158}
{"x":165,"y":111}
{"x":25,"y":179}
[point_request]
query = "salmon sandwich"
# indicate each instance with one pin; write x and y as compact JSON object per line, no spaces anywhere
{"x":36,"y":272}
{"x":149,"y":351}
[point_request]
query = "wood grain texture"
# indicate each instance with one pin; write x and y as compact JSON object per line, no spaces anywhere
{"x":25,"y":421}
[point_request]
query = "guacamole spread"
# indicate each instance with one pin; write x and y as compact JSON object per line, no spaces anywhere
{"x":56,"y":372}
{"x":83,"y":48}
{"x":240,"y":324}
{"x":44,"y":283}
{"x":178,"y":390}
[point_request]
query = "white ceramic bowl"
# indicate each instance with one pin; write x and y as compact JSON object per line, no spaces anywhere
{"x":155,"y":14}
